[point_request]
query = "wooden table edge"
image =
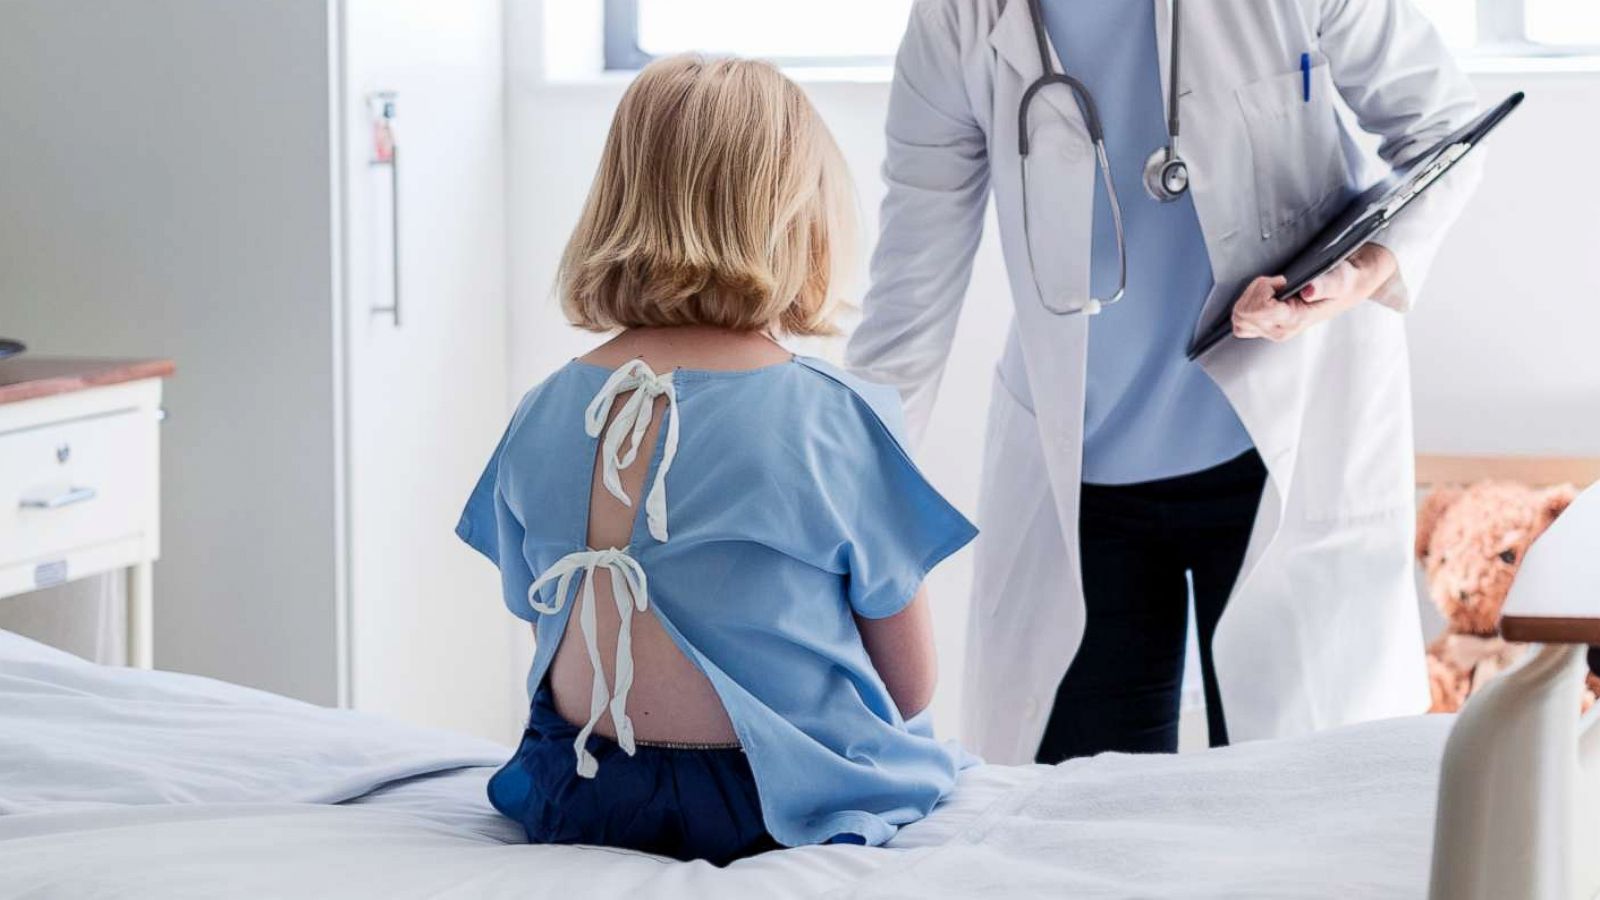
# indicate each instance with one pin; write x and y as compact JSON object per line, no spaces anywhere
{"x":1551,"y":629}
{"x":95,"y":373}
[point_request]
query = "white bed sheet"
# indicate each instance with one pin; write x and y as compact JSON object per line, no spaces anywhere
{"x":121,"y":783}
{"x":1347,"y":813}
{"x":74,"y":734}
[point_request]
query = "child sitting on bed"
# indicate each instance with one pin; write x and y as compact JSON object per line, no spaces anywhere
{"x":720,"y":545}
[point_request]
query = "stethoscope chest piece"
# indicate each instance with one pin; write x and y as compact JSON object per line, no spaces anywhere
{"x":1166,"y":175}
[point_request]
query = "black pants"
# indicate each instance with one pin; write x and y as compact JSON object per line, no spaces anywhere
{"x":1141,"y":544}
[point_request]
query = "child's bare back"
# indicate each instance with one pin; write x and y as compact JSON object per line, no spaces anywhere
{"x":671,"y":701}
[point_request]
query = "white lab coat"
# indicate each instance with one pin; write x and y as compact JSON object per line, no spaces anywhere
{"x":1322,"y":628}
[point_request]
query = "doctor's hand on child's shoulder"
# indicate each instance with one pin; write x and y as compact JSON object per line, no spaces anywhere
{"x":1257,"y":314}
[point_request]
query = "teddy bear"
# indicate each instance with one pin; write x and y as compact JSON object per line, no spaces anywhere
{"x":1470,"y":541}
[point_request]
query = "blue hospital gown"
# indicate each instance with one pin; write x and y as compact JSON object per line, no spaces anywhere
{"x":779,"y":502}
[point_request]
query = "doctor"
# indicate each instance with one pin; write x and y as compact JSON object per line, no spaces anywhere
{"x":1275,"y":473}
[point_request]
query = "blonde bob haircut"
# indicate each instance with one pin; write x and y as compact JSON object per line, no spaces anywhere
{"x":721,"y":200}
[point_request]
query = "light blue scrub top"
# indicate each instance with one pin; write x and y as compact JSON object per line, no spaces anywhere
{"x":1149,"y":412}
{"x":791,"y":506}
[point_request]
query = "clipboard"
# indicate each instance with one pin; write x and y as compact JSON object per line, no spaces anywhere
{"x":1369,"y":214}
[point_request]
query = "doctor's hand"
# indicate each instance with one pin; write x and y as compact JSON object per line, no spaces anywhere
{"x":1257,"y":315}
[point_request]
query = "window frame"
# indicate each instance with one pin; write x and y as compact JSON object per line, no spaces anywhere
{"x":1502,"y":33}
{"x":622,"y":50}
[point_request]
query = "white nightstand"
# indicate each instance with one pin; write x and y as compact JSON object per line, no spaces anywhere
{"x":80,"y":477}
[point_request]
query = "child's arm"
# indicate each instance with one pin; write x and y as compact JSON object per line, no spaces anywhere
{"x":901,"y":649}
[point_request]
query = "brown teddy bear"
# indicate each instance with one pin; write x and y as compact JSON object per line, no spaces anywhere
{"x":1470,"y":541}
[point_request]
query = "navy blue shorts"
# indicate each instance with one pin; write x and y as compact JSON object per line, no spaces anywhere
{"x":680,"y":802}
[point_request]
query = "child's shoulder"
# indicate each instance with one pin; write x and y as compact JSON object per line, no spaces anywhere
{"x":880,"y":401}
{"x":571,"y":386}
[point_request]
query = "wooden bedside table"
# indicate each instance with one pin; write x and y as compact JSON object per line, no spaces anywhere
{"x":80,"y":476}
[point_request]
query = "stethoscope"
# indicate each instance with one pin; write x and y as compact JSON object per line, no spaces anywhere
{"x":1166,"y":175}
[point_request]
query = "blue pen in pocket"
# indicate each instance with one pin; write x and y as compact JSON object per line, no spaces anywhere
{"x":1305,"y":76}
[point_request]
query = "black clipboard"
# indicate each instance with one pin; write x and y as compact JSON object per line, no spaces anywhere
{"x":1369,"y":213}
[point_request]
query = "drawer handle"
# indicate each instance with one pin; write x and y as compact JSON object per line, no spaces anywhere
{"x":65,"y":498}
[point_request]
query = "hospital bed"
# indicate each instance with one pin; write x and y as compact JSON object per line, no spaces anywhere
{"x":119,"y":782}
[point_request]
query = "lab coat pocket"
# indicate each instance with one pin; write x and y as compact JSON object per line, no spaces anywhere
{"x":1296,"y":149}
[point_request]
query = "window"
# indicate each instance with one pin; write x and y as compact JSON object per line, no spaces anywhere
{"x":788,"y":32}
{"x":866,"y":32}
{"x":1517,"y":27}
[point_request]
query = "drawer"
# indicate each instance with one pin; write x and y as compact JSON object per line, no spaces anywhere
{"x":76,"y":484}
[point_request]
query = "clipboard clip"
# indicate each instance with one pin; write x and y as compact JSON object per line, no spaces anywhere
{"x":1427,"y":177}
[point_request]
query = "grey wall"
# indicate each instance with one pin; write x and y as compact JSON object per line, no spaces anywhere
{"x":165,"y":191}
{"x":87,"y":617}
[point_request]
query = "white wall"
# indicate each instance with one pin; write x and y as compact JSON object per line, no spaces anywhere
{"x":1506,"y":344}
{"x":1505,"y":347}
